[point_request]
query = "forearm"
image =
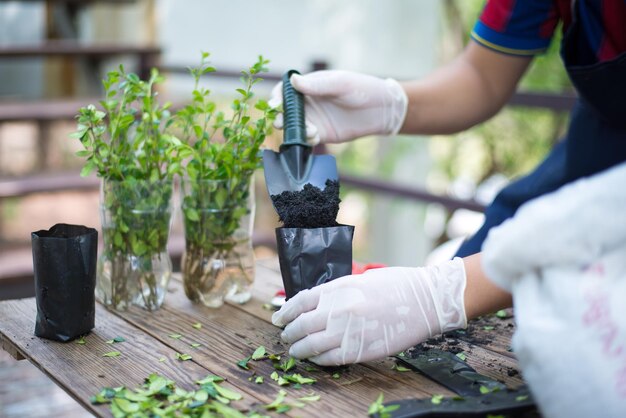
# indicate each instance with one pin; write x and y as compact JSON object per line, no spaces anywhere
{"x":463,"y":93}
{"x":481,"y":295}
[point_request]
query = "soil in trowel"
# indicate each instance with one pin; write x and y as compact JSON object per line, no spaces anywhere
{"x":309,"y":207}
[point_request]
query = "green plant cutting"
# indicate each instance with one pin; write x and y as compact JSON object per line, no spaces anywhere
{"x":220,"y":153}
{"x":126,"y":144}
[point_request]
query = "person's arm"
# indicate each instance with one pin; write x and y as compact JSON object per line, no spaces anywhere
{"x":463,"y":93}
{"x":481,"y":295}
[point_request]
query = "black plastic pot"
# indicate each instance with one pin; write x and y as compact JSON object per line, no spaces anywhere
{"x":312,"y":256}
{"x":64,"y":261}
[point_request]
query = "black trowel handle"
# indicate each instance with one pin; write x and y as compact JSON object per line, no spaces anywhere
{"x":294,"y":128}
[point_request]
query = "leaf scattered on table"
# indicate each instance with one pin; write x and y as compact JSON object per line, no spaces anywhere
{"x":112,"y":354}
{"x":274,"y":357}
{"x":116,"y":340}
{"x":175,"y":336}
{"x":311,"y":369}
{"x":278,"y":405}
{"x":268,"y":307}
{"x":488,"y":327}
{"x":336,"y":376}
{"x":162,"y":359}
{"x":462,"y":356}
{"x":244,"y":363}
{"x":197,"y":325}
{"x":501,"y":314}
{"x":400,"y":368}
{"x":183,"y":357}
{"x":287,"y":365}
{"x":378,"y":408}
{"x":310,"y":398}
{"x":259,"y":353}
{"x":436,"y":399}
{"x":521,"y":398}
{"x":259,"y":379}
{"x":81,"y":340}
{"x":274,"y":376}
{"x":196,"y":345}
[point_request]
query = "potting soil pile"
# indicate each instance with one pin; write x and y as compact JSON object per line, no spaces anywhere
{"x":310,"y":207}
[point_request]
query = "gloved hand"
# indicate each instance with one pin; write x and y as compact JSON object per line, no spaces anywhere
{"x":375,"y":314}
{"x":343,"y":105}
{"x":570,"y":227}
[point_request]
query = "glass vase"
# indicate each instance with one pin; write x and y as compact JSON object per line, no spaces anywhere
{"x":134,"y":267}
{"x":218,"y":262}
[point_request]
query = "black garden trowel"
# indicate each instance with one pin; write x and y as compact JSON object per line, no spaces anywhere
{"x":295,"y":165}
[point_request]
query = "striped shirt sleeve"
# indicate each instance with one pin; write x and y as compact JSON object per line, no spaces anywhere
{"x":516,"y":27}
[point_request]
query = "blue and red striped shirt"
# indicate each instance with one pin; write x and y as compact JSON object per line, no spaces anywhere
{"x":525,"y":27}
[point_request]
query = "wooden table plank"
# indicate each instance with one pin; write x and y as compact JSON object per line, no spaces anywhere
{"x":82,"y":371}
{"x":229,"y":334}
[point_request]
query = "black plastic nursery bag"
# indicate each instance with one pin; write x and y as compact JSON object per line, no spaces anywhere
{"x":64,"y":261}
{"x":312,"y":256}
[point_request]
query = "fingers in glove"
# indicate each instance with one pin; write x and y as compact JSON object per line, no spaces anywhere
{"x":315,"y":344}
{"x":319,"y":83}
{"x":304,"y":301}
{"x":305,"y":324}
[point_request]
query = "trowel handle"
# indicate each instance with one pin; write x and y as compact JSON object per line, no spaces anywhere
{"x":294,"y":128}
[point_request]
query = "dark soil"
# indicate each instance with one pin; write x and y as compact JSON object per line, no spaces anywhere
{"x":309,"y":207}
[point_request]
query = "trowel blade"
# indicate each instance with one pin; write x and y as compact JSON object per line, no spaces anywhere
{"x":278,"y":177}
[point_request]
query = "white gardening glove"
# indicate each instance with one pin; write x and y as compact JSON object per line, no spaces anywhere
{"x":343,"y":105}
{"x":375,"y":314}
{"x":570,"y":227}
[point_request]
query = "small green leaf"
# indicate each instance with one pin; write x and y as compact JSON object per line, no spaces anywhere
{"x":488,"y":327}
{"x":484,"y":390}
{"x":81,"y":340}
{"x":197,"y":325}
{"x":196,"y":345}
{"x":112,"y":354}
{"x":183,"y":357}
{"x":227,"y":393}
{"x":336,"y":376}
{"x":244,"y":363}
{"x":116,"y":340}
{"x":162,"y":359}
{"x":462,"y":356}
{"x":259,"y":353}
{"x":436,"y":399}
{"x":521,"y":398}
{"x":310,"y":398}
{"x":210,"y":379}
{"x":288,"y":365}
{"x":400,"y":368}
{"x":501,"y":314}
{"x":274,"y":376}
{"x":258,"y":380}
{"x":175,"y":336}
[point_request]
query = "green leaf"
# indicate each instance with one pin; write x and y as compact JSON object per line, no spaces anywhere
{"x":210,"y":379}
{"x":521,"y":398}
{"x":288,"y":365}
{"x":112,"y":354}
{"x":126,"y":405}
{"x":227,"y":393}
{"x":175,"y":336}
{"x":310,"y":398}
{"x":196,"y":345}
{"x":461,"y":356}
{"x":244,"y":363}
{"x":183,"y":357}
{"x":336,"y":376}
{"x":258,"y":380}
{"x":116,"y":340}
{"x":436,"y":399}
{"x":484,"y":390}
{"x":162,"y":359}
{"x":192,"y":214}
{"x":197,"y":325}
{"x":81,"y":340}
{"x":259,"y":353}
{"x":488,"y":327}
{"x":400,"y":368}
{"x":501,"y":314}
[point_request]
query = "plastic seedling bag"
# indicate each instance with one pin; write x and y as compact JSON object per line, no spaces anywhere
{"x":312,"y":256}
{"x":64,"y":261}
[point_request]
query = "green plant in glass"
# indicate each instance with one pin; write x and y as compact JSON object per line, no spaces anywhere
{"x":220,"y":154}
{"x":127,"y":145}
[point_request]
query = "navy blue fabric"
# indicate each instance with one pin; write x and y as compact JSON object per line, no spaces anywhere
{"x":595,"y":141}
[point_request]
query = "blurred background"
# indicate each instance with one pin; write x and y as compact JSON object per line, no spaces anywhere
{"x":407,"y":196}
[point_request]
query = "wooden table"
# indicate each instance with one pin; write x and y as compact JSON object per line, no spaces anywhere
{"x":228,"y":335}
